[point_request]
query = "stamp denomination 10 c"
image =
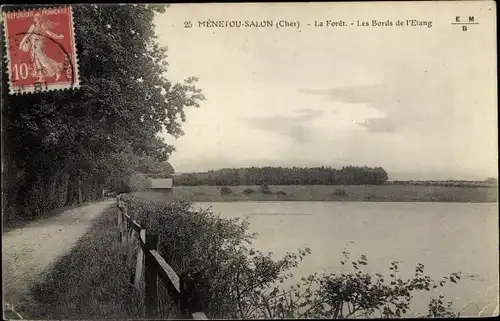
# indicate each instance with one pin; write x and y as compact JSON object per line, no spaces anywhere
{"x":41,"y":52}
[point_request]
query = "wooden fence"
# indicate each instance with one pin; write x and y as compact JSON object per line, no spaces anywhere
{"x":151,"y":266}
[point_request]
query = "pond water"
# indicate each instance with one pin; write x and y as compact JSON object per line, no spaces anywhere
{"x":445,"y":237}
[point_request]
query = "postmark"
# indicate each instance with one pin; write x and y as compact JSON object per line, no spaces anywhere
{"x":41,"y":51}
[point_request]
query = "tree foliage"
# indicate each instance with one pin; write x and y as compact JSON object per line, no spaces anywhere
{"x":248,"y":191}
{"x":357,"y":294}
{"x":264,"y":189}
{"x":61,"y":146}
{"x":286,"y":176}
{"x":224,"y":190}
{"x":491,"y":181}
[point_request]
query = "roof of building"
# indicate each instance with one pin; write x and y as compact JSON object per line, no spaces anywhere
{"x":161,"y":183}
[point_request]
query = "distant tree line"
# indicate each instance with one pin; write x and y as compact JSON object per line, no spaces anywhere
{"x":490,"y":182}
{"x":350,"y":175}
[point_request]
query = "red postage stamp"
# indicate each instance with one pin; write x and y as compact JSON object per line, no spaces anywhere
{"x":41,"y":52}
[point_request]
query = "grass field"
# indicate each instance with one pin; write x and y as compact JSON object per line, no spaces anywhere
{"x":369,"y":193}
{"x":90,"y":282}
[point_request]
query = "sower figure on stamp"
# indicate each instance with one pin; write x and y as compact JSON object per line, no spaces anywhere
{"x":41,"y":65}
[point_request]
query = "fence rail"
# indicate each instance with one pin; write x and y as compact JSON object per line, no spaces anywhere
{"x":151,"y":266}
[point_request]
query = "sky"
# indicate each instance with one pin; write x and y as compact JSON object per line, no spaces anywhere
{"x":419,"y":102}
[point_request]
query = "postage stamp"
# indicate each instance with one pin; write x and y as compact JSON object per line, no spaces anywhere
{"x":41,"y":52}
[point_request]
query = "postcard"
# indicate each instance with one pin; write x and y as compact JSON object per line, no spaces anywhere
{"x":250,"y":160}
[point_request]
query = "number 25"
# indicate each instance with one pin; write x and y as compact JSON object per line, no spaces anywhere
{"x":188,"y":24}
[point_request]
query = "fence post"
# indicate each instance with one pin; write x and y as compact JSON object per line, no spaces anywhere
{"x":120,"y":226}
{"x":124,"y":240}
{"x":186,"y":303}
{"x":130,"y":253}
{"x":139,"y":266}
{"x":151,"y":277}
{"x":183,"y":297}
{"x":125,"y":226}
{"x":189,"y":302}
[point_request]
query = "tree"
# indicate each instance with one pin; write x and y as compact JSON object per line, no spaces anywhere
{"x":340,"y":192}
{"x":224,"y":190}
{"x":62,"y":138}
{"x":248,"y":191}
{"x":264,"y":189}
{"x":491,"y":180}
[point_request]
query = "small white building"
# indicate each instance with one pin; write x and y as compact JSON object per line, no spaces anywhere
{"x":161,"y":185}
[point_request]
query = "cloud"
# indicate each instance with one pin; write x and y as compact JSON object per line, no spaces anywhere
{"x":380,"y":97}
{"x":410,"y":97}
{"x":298,"y":127}
{"x":308,"y":114}
{"x":352,"y":94}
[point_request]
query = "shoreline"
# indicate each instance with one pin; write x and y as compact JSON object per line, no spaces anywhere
{"x":330,"y":193}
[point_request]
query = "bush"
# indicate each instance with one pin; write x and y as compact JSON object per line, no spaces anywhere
{"x":224,"y":190}
{"x":264,"y":189}
{"x":212,"y":254}
{"x":229,"y":279}
{"x":491,"y":180}
{"x":248,"y":191}
{"x":356,"y":294}
{"x":340,"y":192}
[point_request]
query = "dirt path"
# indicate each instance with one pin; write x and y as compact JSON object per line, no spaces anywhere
{"x":28,"y":251}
